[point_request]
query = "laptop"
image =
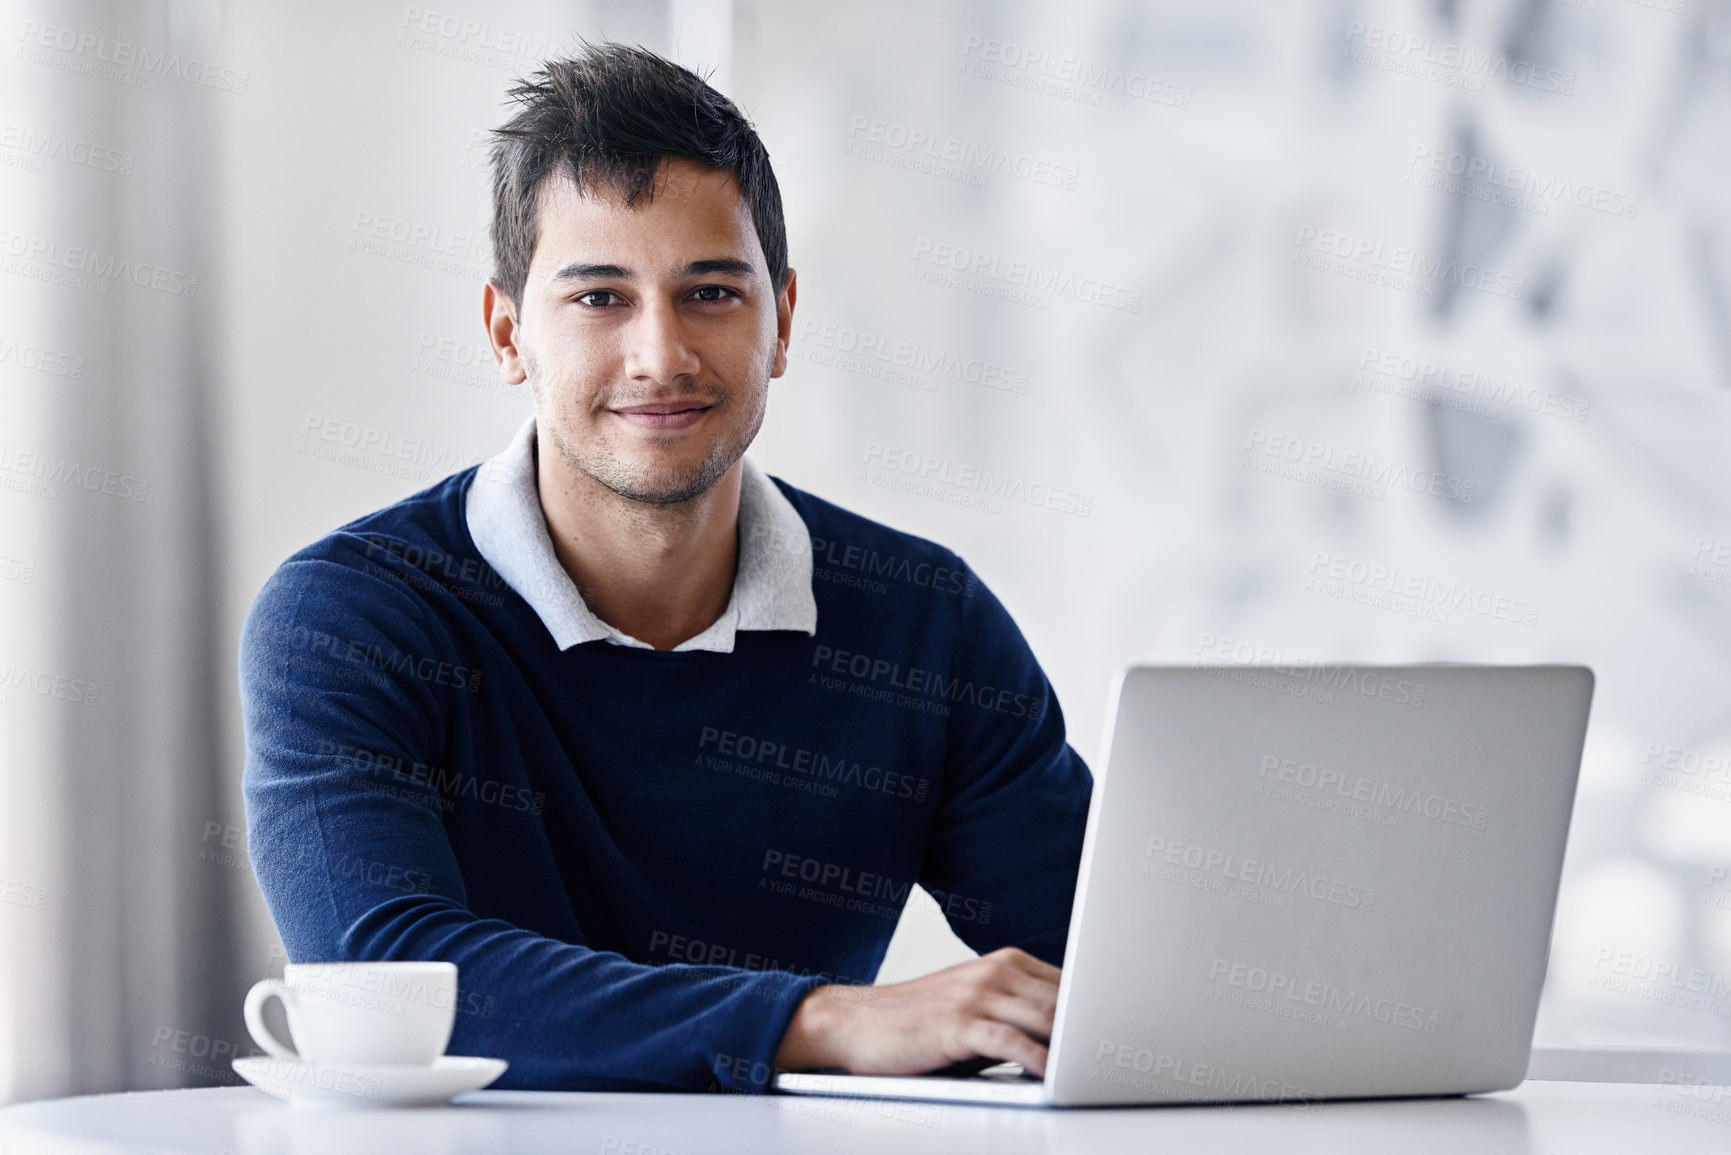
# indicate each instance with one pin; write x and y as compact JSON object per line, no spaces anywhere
{"x":1301,"y":884}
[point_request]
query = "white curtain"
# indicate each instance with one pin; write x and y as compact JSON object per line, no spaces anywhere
{"x":116,"y":966}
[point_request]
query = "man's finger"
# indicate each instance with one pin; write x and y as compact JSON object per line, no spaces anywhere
{"x":1034,"y":988}
{"x":1000,"y":1040}
{"x":1037,"y":992}
{"x":1022,"y":961}
{"x":1031,"y":1018}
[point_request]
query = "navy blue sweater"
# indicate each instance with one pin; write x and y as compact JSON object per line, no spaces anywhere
{"x":641,"y":861}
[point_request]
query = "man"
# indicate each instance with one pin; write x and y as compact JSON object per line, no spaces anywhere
{"x":651,"y":745}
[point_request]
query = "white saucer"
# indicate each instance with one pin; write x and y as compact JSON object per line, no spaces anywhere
{"x":358,"y":1086}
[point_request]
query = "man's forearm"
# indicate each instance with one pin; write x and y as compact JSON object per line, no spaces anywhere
{"x":817,"y":1033}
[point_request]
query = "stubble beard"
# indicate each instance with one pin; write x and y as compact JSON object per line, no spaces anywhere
{"x":669,"y":485}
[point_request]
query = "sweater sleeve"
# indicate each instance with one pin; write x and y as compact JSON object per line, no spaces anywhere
{"x":1007,"y":843}
{"x":357,"y":865}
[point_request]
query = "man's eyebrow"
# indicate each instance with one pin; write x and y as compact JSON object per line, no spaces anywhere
{"x":581,"y":272}
{"x":728,"y":266}
{"x":725,"y":266}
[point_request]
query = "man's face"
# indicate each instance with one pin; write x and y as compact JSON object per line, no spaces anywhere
{"x":647,"y":335}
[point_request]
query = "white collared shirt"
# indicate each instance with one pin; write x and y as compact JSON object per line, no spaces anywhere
{"x":771,"y":586}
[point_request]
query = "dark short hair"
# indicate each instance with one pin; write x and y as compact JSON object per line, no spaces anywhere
{"x":611,"y":115}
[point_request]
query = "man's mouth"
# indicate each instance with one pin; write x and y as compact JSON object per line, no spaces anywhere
{"x":664,"y":414}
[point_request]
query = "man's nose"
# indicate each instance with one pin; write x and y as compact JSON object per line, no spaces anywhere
{"x":658,"y":349}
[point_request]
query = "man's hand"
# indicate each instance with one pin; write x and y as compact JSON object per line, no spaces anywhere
{"x":999,"y":1006}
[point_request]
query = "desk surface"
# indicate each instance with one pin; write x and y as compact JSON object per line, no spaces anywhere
{"x":1541,"y":1118}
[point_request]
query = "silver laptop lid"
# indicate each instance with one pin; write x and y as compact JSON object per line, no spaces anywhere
{"x":1329,"y":882}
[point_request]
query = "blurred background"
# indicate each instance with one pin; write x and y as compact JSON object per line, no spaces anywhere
{"x":1301,"y":331}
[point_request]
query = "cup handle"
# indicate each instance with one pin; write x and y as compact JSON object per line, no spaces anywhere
{"x":261,"y":991}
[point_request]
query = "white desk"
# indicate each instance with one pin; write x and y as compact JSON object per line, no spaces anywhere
{"x":1540,"y":1118}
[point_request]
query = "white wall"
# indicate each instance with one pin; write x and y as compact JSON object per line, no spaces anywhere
{"x":1255,"y":138}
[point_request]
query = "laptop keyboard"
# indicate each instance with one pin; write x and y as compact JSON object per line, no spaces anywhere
{"x":986,"y":1069}
{"x":1008,"y":1073}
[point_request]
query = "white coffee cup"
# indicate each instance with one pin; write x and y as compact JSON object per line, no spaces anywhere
{"x":385,"y":1013}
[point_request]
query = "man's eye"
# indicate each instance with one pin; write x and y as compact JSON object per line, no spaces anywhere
{"x":596,"y":298}
{"x":713,"y":293}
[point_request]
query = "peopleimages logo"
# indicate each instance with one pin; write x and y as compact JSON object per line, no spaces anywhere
{"x":765,"y":753}
{"x":870,"y":353}
{"x":1415,"y":595}
{"x":1256,"y":873}
{"x":380,"y":451}
{"x":930,"y":684}
{"x":449,"y":786}
{"x":1718,"y":893}
{"x":929,"y":469}
{"x":471,"y":41}
{"x":1348,"y":471}
{"x":1411,"y":270}
{"x":1422,"y":379}
{"x":41,"y":360}
{"x":1370,"y":683}
{"x":16,"y":569}
{"x":842,"y":887}
{"x":1486,"y":178}
{"x":87,"y":269}
{"x":47,"y":683}
{"x":1023,"y":282}
{"x":1682,"y":761}
{"x":1326,"y":998}
{"x":1066,"y":77}
{"x":1427,"y":58}
{"x":838,"y":885}
{"x":441,"y":242}
{"x":1358,"y":788}
{"x":866,"y":568}
{"x":1661,"y":980}
{"x":416,"y":243}
{"x":922,"y":150}
{"x":1205,"y":1077}
{"x":47,"y":472}
{"x":1710,"y":561}
{"x":34,"y":147}
{"x":121,"y":61}
{"x":22,"y":894}
{"x":388,"y":875}
{"x":389,"y":660}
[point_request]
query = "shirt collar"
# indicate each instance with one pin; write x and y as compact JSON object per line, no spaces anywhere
{"x":771,"y":586}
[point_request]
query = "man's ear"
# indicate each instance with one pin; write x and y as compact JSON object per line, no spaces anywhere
{"x":784,"y":323}
{"x":499,"y":316}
